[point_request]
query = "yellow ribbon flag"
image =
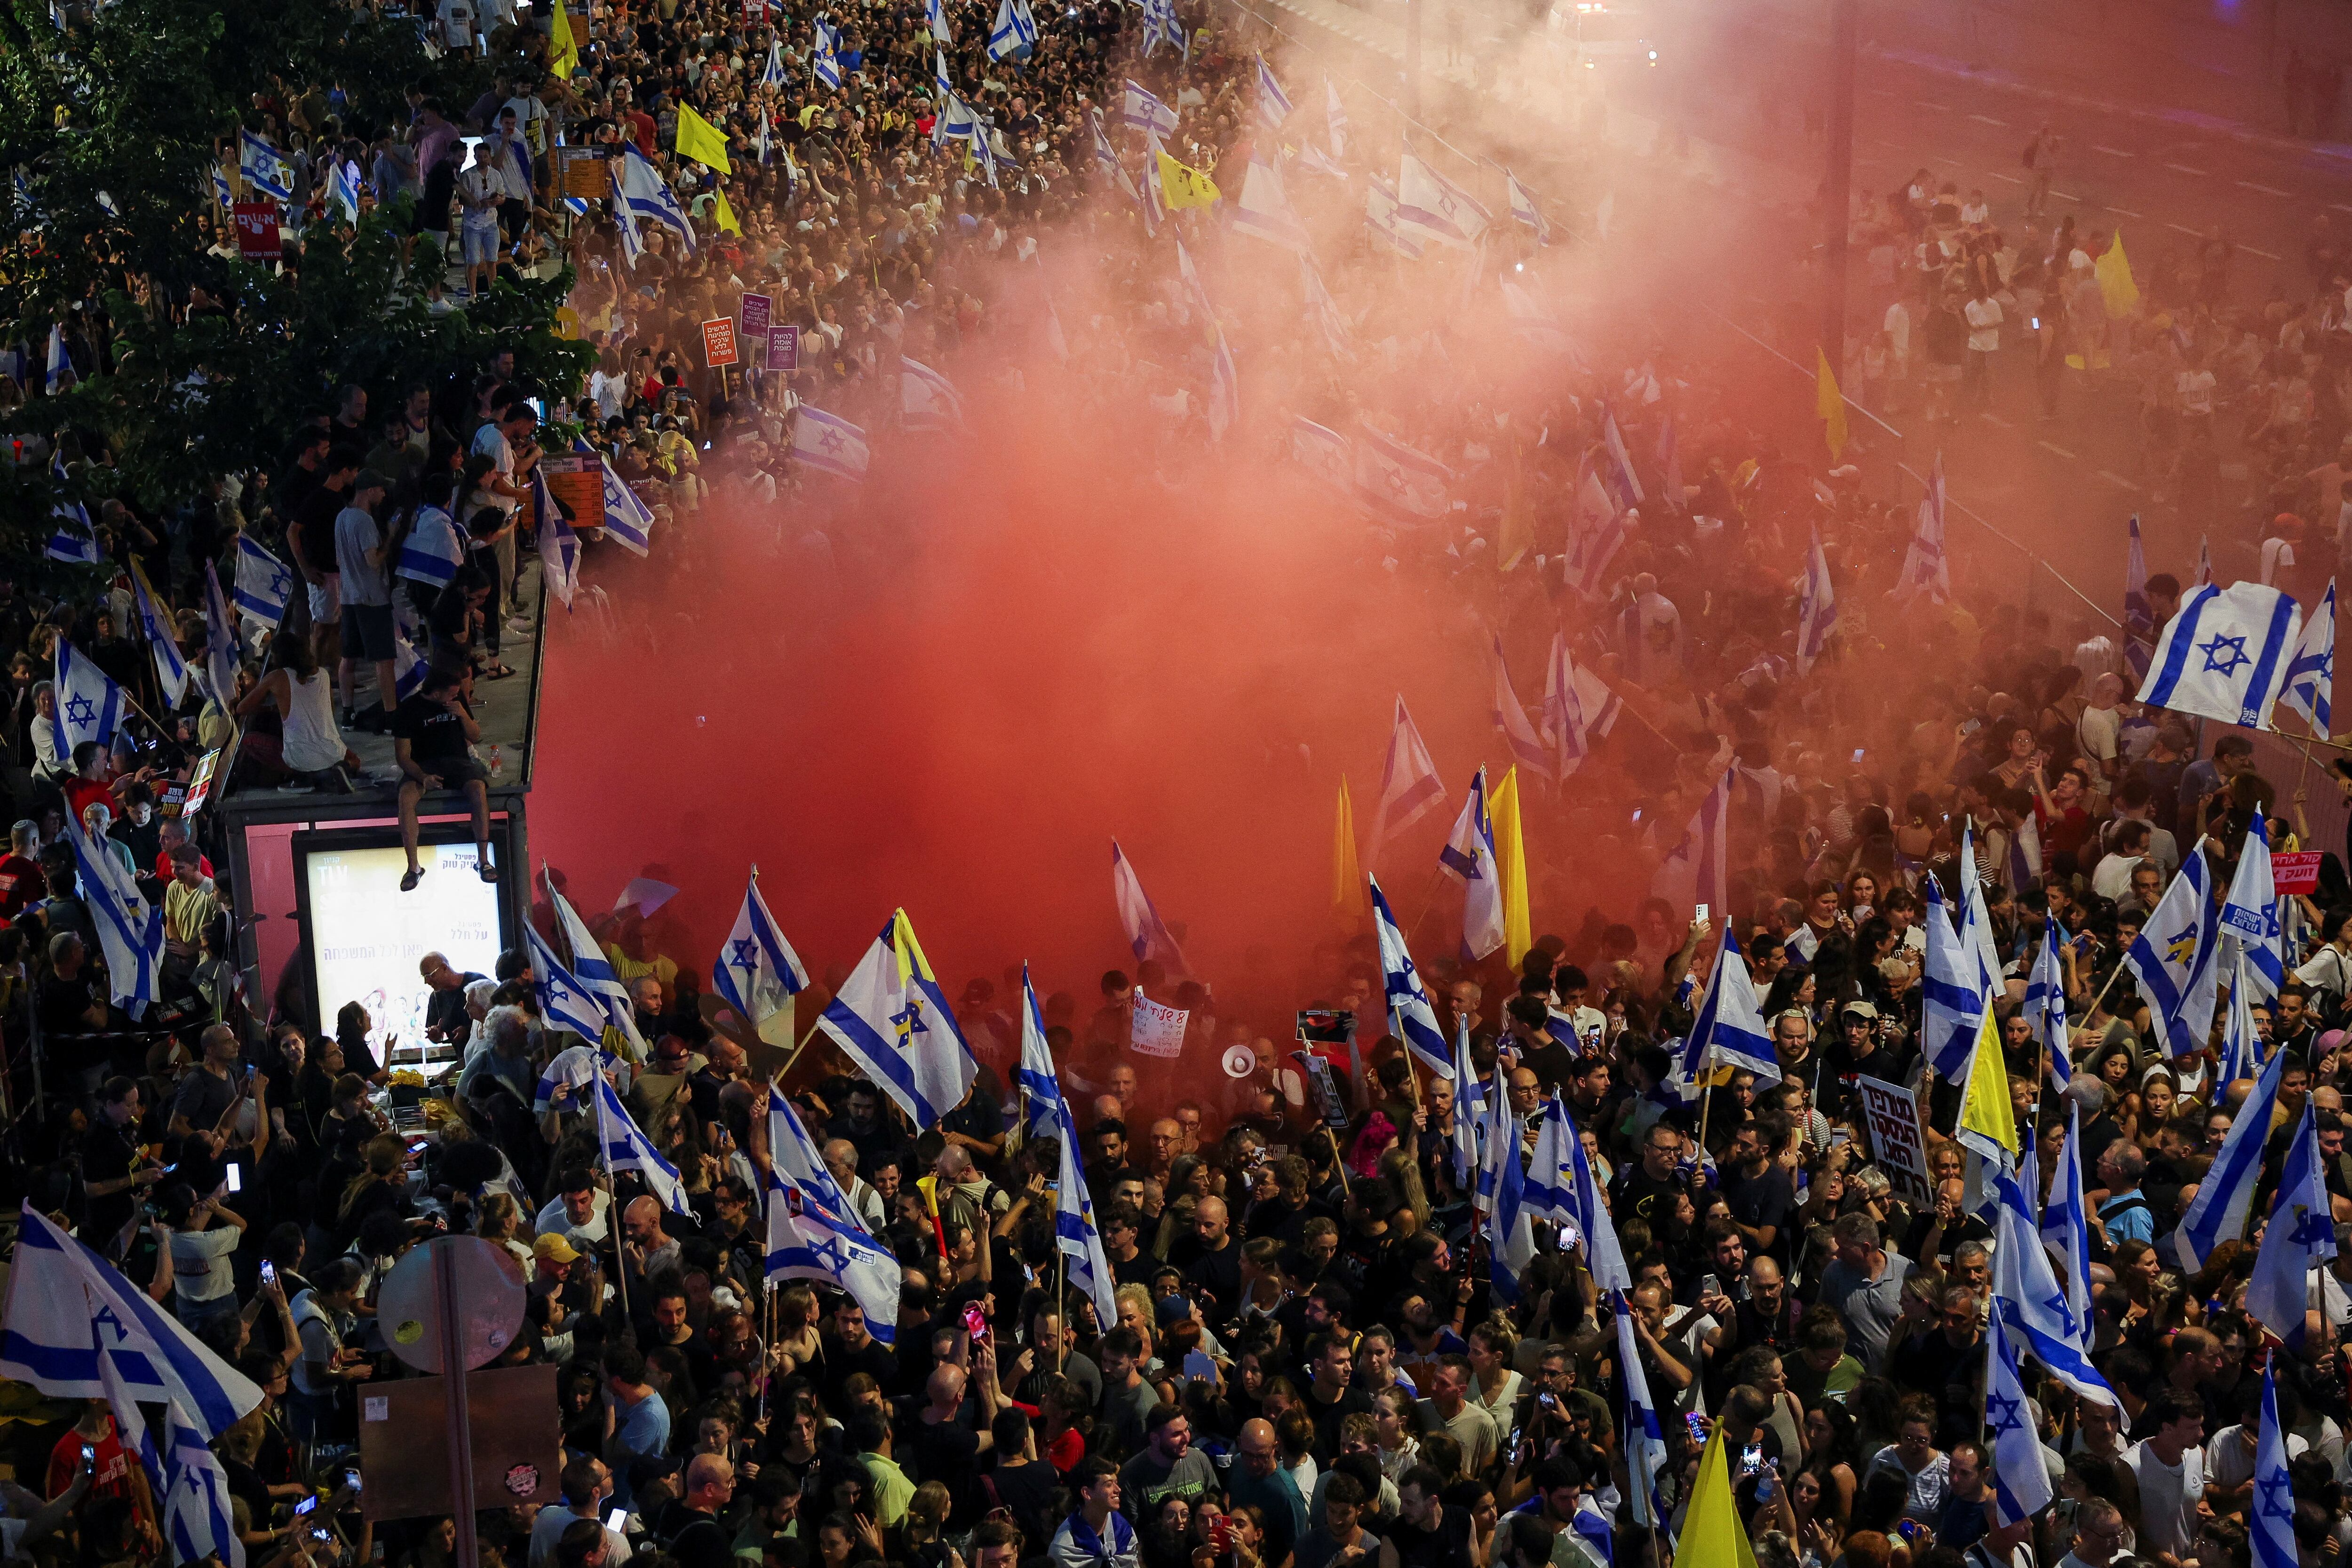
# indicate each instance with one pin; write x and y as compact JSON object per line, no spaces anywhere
{"x":2116,"y":285}
{"x":1985,"y":1108}
{"x":1182,"y":186}
{"x":1829,"y":404}
{"x":1712,"y":1532}
{"x":1511,"y":862}
{"x":700,"y":140}
{"x":1349,"y":901}
{"x":563,"y":49}
{"x":722,"y":214}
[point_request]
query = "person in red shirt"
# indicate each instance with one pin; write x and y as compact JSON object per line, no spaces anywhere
{"x":113,"y":1473}
{"x":21,"y":881}
{"x":174,"y":833}
{"x":91,"y":784}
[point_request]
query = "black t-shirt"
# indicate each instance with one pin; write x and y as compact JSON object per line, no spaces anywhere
{"x":108,"y":1153}
{"x":1028,"y":1491}
{"x":434,"y":733}
{"x":63,"y":1002}
{"x":949,"y":1454}
{"x":1220,"y":1274}
{"x":1766,"y":1199}
{"x":1352,"y":1400}
{"x":317,"y":515}
{"x":1447,"y":1546}
{"x":694,"y":1538}
{"x":1648,"y":1197}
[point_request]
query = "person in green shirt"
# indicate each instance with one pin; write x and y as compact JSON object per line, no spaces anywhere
{"x":868,"y":1435}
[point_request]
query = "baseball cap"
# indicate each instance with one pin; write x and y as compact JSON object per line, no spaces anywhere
{"x":1858,"y":1009}
{"x":554,"y":1248}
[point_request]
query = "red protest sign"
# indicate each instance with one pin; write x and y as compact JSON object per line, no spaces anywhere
{"x":719,"y":342}
{"x":257,"y":232}
{"x":2296,"y":873}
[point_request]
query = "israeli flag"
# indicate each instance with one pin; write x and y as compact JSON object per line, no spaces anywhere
{"x":596,"y":973}
{"x":2174,"y":958}
{"x":221,"y":656}
{"x":801,"y":1161}
{"x":343,"y":189}
{"x":807,"y":1242}
{"x":2026,"y":1294}
{"x":74,"y":542}
{"x":1817,"y":610}
{"x":1273,"y":103}
{"x":2226,"y":1194}
{"x":2270,"y":1521}
{"x":1550,"y":1184}
{"x":626,"y":1148}
{"x":2250,"y":915}
{"x":1015,"y":35}
{"x":263,"y":169}
{"x":2139,"y":612}
{"x":264,"y":582}
{"x":59,"y":363}
{"x":89,"y":705}
{"x":1383,"y":218}
{"x":197,"y":1518}
{"x":1604,"y":1255}
{"x":628,"y":521}
{"x":936,"y":13}
{"x":2046,"y":1004}
{"x":222,"y":195}
{"x":573,"y":1068}
{"x":1510,"y":1225}
{"x":2021,"y":1483}
{"x":431,"y":554}
{"x":1329,"y":318}
{"x":2311,"y":676}
{"x":2226,"y":655}
{"x":1436,"y":208}
{"x":1105,"y":154}
{"x":1698,"y":868}
{"x":1599,"y":532}
{"x":1317,"y":162}
{"x":559,"y":542}
{"x":773,"y":73}
{"x":408,"y":671}
{"x":1469,"y":854}
{"x":1159,"y":26}
{"x":828,"y":443}
{"x":162,"y":641}
{"x":1075,"y":1234}
{"x":1335,"y":119}
{"x":1469,"y":1108}
{"x":1147,"y":936}
{"x":1527,"y":748}
{"x":1728,"y":1029}
{"x":69,"y":1312}
{"x":1622,"y":478}
{"x":1399,"y":478}
{"x":563,"y":1001}
{"x":928,"y":400}
{"x":827,"y":59}
{"x":2065,"y":1230}
{"x":1265,"y":211}
{"x":2297,"y":1237}
{"x":1325,"y":452}
{"x":1139,"y":109}
{"x":757,"y":970}
{"x":2241,"y":1048}
{"x":648,"y":197}
{"x":1409,"y":786}
{"x":1927,"y":569}
{"x":1040,"y":1080}
{"x":893,"y":1021}
{"x":1952,"y":992}
{"x":1415,"y":1019}
{"x":1645,"y":1441}
{"x":633,"y":239}
{"x":1524,"y":210}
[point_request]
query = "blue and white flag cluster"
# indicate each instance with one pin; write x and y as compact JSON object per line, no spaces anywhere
{"x":626,"y":1148}
{"x":1409,"y":1004}
{"x":894,"y":1022}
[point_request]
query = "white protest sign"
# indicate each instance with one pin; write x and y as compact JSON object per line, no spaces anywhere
{"x":1159,"y":1029}
{"x":1896,"y":1141}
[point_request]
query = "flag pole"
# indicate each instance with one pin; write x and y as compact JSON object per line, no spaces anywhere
{"x":1061,"y":1295}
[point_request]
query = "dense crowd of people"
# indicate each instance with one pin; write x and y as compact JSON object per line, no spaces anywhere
{"x":1311,"y":1362}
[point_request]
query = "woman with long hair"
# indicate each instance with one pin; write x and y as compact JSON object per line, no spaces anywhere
{"x":352,"y":1026}
{"x":380,"y":1187}
{"x":310,"y":746}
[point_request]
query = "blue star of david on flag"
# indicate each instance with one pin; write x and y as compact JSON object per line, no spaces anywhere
{"x":2224,"y":655}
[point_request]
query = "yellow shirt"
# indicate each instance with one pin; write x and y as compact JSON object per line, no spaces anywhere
{"x":186,"y":911}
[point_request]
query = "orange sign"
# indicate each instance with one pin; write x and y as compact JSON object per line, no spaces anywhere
{"x":719,"y":342}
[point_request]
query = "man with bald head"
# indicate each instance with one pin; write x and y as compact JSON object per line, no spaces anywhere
{"x":689,"y":1529}
{"x":947,"y":1450}
{"x":1259,"y":1479}
{"x":646,"y":1248}
{"x":1212,"y":1264}
{"x":841,"y":1159}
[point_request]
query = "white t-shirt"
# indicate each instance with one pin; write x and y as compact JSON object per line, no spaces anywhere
{"x":457,"y":22}
{"x":1984,"y":325}
{"x":2229,"y":1456}
{"x":200,"y":1268}
{"x":2113,"y":878}
{"x":2168,"y":1496}
{"x":2328,"y":970}
{"x":553,"y":1220}
{"x":2276,"y":553}
{"x":2196,"y":388}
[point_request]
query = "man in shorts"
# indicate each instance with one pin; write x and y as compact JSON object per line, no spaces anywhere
{"x":433,"y":734}
{"x":367,"y":600}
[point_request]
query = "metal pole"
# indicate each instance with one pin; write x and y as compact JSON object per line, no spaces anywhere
{"x":454,"y":1369}
{"x":1412,"y":58}
{"x":1837,"y":188}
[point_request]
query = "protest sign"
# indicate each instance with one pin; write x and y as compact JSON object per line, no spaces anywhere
{"x":1895,"y":1141}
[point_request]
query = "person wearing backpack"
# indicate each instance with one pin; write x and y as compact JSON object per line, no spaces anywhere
{"x":2124,"y":1213}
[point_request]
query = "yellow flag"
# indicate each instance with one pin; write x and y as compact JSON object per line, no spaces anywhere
{"x":1511,"y":862}
{"x":563,"y":49}
{"x":1712,"y":1533}
{"x":1349,"y":901}
{"x":700,"y":140}
{"x":1829,"y":404}
{"x":2116,"y":285}
{"x":1985,"y":1108}
{"x":1182,"y":186}
{"x":722,"y":214}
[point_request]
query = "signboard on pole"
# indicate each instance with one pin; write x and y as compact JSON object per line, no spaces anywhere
{"x":1897,"y":1140}
{"x":578,"y":483}
{"x":757,"y":308}
{"x":783,"y":348}
{"x":719,"y":342}
{"x":580,"y":172}
{"x":257,"y":239}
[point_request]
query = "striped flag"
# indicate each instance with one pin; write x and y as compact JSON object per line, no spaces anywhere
{"x":2226,"y":655}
